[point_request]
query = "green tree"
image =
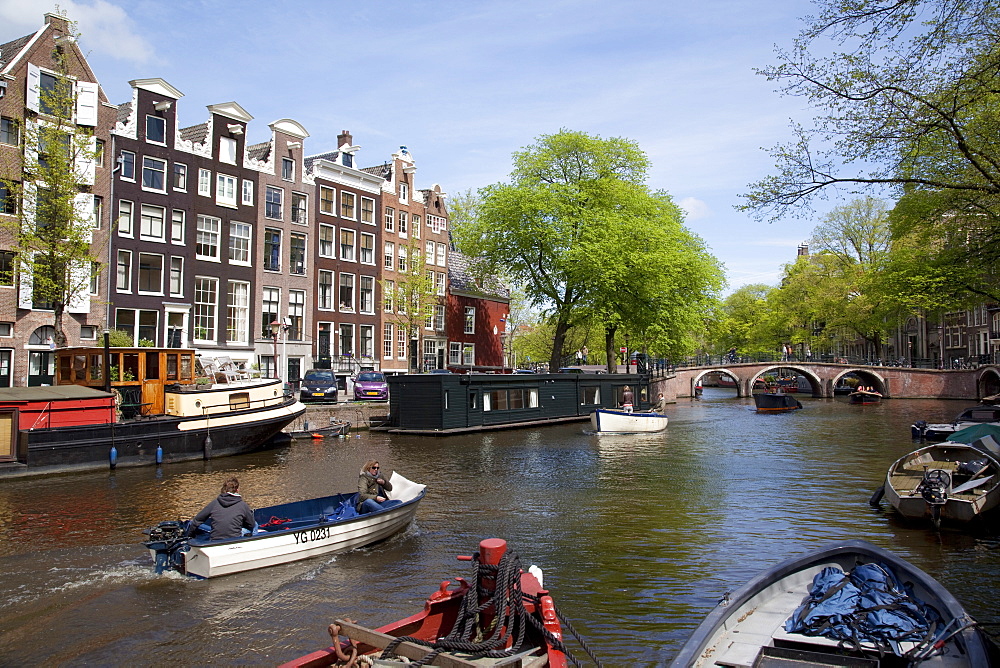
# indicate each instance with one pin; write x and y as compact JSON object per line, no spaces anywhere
{"x":908,"y":98}
{"x":579,"y":229}
{"x":53,"y":232}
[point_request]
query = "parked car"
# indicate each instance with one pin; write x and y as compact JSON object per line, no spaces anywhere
{"x":371,"y":385}
{"x":318,"y":385}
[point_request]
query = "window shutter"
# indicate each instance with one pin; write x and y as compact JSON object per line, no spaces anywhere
{"x":86,"y":103}
{"x":86,"y":168}
{"x":84,"y":206}
{"x":34,"y":87}
{"x":24,"y":288}
{"x":79,"y":278}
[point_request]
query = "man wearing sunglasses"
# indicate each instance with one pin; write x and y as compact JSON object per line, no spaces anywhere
{"x":373,"y":489}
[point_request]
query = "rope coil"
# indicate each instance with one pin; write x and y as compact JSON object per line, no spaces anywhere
{"x":510,"y":619}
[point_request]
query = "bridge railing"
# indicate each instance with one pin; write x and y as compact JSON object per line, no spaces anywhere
{"x":847,"y":360}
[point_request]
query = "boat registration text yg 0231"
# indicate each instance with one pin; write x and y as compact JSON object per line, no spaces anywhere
{"x":312,"y":534}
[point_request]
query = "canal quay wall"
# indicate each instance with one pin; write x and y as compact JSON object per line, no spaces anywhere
{"x":361,"y":415}
{"x":892,"y":382}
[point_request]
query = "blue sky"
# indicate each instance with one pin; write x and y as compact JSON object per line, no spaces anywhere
{"x":463,"y":84}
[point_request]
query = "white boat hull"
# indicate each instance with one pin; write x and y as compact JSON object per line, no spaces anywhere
{"x":621,"y":422}
{"x":281,"y":544}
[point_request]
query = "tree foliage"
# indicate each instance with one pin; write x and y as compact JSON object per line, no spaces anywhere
{"x":578,"y":228}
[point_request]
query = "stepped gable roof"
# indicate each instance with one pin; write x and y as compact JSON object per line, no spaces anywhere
{"x":124,"y":111}
{"x":259,"y":151}
{"x":384,"y":170}
{"x":195,"y":133}
{"x":461,"y":278}
{"x":10,"y":50}
{"x":329,"y":155}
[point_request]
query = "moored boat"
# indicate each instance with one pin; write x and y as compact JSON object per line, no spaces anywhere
{"x":879,"y":607}
{"x":606,"y":420}
{"x":863,"y":396}
{"x":945,"y":482}
{"x":288,"y":532}
{"x":335,"y":428}
{"x":985,"y":412}
{"x":149,"y":408}
{"x":504,"y":616}
{"x":774,"y":402}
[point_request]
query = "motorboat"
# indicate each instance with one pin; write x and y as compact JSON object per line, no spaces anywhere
{"x":612,"y":421}
{"x":983,"y":413}
{"x":877,"y":607}
{"x":287,"y":532}
{"x":503,"y":616}
{"x":144,"y":405}
{"x":775,"y":402}
{"x":864,"y":397}
{"x":952,"y":481}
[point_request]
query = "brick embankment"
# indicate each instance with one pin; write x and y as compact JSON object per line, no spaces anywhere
{"x":361,"y":414}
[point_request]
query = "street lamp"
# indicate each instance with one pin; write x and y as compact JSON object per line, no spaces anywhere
{"x":275,"y":328}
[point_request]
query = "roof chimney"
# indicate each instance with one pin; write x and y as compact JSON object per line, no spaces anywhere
{"x":59,"y":23}
{"x":345,"y":138}
{"x":803,"y":250}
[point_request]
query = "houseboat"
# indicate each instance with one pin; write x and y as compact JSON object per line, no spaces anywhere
{"x":444,"y":403}
{"x":150,"y":407}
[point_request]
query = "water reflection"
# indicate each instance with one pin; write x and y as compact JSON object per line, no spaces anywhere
{"x":638,"y":536}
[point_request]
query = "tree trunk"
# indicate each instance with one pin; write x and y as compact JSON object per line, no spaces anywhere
{"x":558,"y":341}
{"x":609,"y":347}
{"x":58,"y":309}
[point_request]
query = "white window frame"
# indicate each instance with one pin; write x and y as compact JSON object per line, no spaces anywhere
{"x":247,"y":192}
{"x":127,"y":172}
{"x":125,"y":221}
{"x":225,"y":190}
{"x":367,"y":210}
{"x":389,"y":256}
{"x":178,"y":224}
{"x":348,"y":210}
{"x":227,"y":150}
{"x":469,"y":322}
{"x":212,"y":317}
{"x":159,"y":289}
{"x":324,"y":298}
{"x":442,"y":260}
{"x":240,"y":255}
{"x":370,"y":248}
{"x":204,"y":182}
{"x":163,"y":123}
{"x":148,"y":165}
{"x":347,"y":252}
{"x":147,"y":232}
{"x":179,"y":177}
{"x":388,"y":340}
{"x":203,"y":229}
{"x":328,"y":205}
{"x":352,"y":283}
{"x":327,"y":241}
{"x":238,"y":312}
{"x":175,"y":276}
{"x":123,"y":286}
{"x":366,"y":285}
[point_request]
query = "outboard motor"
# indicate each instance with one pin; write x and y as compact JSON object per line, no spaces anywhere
{"x":918,"y":430}
{"x":935,"y":487}
{"x":169,"y":541}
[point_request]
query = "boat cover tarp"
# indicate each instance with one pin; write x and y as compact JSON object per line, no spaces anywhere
{"x":866,"y":606}
{"x":974,"y":433}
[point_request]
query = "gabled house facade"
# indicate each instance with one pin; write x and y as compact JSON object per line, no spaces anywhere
{"x":285,"y":245}
{"x":184,"y":214}
{"x":346,"y":287}
{"x":29,"y":67}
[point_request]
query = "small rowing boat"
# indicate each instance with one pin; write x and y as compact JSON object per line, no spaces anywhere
{"x":611,"y":421}
{"x":502,"y":617}
{"x":865,"y":397}
{"x":847,"y":604}
{"x":287,"y":532}
{"x":949,"y":481}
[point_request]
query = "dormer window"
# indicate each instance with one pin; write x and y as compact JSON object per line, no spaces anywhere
{"x":287,"y":169}
{"x":156,"y":130}
{"x":347,"y":159}
{"x":404,"y":192}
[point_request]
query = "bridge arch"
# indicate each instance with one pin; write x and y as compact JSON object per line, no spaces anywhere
{"x":697,"y":379}
{"x":988,"y":383}
{"x":868,"y":377}
{"x":815,"y":382}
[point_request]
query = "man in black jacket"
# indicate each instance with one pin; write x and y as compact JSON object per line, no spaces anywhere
{"x":229,"y":513}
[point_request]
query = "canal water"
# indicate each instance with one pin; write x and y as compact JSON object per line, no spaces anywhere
{"x":638,"y":536}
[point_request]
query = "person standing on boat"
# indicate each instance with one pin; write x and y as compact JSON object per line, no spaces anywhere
{"x":372,"y":488}
{"x":229,"y":513}
{"x":627,"y":399}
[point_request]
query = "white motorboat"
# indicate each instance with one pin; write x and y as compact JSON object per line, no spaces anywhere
{"x":288,"y":532}
{"x":607,"y":420}
{"x":945,"y":482}
{"x":847,"y":604}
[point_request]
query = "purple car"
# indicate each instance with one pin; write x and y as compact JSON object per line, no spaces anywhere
{"x":371,"y":385}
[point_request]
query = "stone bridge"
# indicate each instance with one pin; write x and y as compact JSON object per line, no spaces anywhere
{"x":898,"y":382}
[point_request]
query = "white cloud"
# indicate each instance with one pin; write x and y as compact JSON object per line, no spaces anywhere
{"x":694,"y":208}
{"x":104,"y":27}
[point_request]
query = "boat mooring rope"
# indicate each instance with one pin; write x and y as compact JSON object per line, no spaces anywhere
{"x":509,"y":623}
